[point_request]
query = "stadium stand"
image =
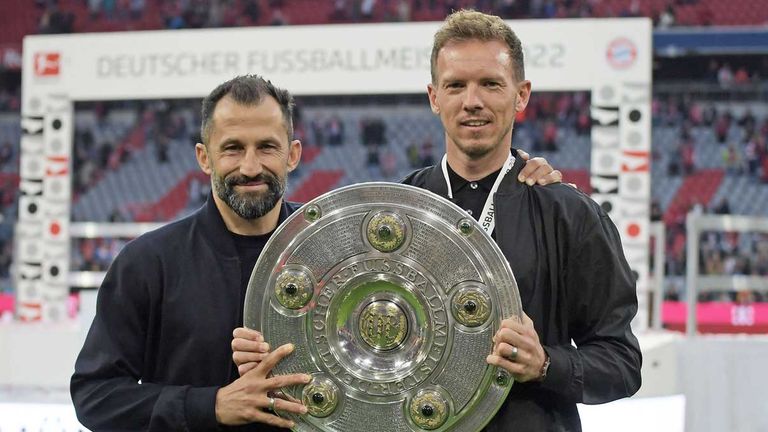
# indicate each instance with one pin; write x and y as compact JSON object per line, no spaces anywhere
{"x":710,"y":123}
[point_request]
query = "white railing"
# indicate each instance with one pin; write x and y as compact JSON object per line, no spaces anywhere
{"x":91,"y":279}
{"x":694,"y":282}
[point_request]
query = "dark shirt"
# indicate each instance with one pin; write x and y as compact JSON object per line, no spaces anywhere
{"x":248,"y":250}
{"x":471,"y":196}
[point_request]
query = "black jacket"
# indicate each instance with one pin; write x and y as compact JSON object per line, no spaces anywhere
{"x":165,"y":315}
{"x":575,"y":284}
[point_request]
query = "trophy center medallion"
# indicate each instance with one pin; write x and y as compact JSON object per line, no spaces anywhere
{"x":383,"y":325}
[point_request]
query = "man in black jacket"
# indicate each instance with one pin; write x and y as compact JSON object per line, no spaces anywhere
{"x":158,"y":354}
{"x":575,"y":344}
{"x":575,"y":285}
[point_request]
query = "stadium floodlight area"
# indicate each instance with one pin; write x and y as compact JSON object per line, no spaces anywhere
{"x":611,"y":58}
{"x":696,"y":283}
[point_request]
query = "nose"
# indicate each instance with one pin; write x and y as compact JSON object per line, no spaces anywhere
{"x":472,"y":99}
{"x":251,"y":165}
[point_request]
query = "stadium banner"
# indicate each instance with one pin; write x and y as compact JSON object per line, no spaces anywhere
{"x":611,"y":58}
{"x":316,"y":60}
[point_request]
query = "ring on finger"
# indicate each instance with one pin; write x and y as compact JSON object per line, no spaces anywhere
{"x":513,"y":355}
{"x":271,"y":404}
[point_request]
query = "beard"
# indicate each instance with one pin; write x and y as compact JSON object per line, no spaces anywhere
{"x":249,"y":205}
{"x":476,"y":146}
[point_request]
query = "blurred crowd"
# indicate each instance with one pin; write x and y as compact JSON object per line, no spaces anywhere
{"x":741,"y":139}
{"x":89,"y":15}
{"x":10,"y":99}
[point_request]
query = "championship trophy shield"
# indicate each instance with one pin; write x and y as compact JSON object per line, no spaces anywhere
{"x":390,"y":295}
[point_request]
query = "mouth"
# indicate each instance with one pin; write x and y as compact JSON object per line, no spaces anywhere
{"x":474,"y":123}
{"x":251,"y":185}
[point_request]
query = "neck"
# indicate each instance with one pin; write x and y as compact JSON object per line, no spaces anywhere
{"x":246,"y":227}
{"x":473,"y":169}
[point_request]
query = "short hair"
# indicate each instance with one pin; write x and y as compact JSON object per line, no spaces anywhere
{"x":467,"y":24}
{"x":246,"y":90}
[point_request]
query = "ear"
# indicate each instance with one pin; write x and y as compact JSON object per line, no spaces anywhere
{"x":294,"y":154}
{"x":523,"y":95}
{"x":432,"y":93}
{"x":201,"y":153}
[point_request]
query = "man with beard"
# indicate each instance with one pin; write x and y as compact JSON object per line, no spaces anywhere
{"x":157,"y":356}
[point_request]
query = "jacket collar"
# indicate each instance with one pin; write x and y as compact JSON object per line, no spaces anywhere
{"x":435,"y":181}
{"x":215,"y":230}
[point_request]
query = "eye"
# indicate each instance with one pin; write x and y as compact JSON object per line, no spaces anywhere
{"x":492,"y":84}
{"x":268,"y":146}
{"x":454,"y":85}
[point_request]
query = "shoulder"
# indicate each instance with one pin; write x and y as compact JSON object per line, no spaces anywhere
{"x":418,"y":177}
{"x":570,"y":203}
{"x":160,"y":241}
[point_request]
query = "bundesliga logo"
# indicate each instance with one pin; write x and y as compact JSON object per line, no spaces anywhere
{"x":47,"y":64}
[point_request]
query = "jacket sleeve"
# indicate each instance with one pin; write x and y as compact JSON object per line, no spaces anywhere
{"x":605,"y":363}
{"x":107,"y":387}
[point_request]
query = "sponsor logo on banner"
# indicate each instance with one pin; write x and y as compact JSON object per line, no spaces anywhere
{"x":621,"y":53}
{"x":47,"y":64}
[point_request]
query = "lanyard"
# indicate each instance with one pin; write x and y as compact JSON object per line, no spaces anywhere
{"x":488,"y":217}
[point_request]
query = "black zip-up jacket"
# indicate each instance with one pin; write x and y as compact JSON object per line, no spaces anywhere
{"x":171,"y":299}
{"x":165,"y":315}
{"x":575,"y":285}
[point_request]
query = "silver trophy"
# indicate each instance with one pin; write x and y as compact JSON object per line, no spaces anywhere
{"x":391,"y":295}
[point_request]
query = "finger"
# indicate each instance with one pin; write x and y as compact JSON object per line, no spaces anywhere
{"x":273,"y":358}
{"x":554,"y":176}
{"x":530,"y":167}
{"x":280,"y":381}
{"x":289,"y":406}
{"x":281,"y":395}
{"x":287,"y":397}
{"x":573,"y":185}
{"x":523,"y":342}
{"x":240,"y":357}
{"x":511,"y":322}
{"x":515,"y":369}
{"x":523,"y":154}
{"x":247,"y":333}
{"x":274,"y":420}
{"x":507,"y":336}
{"x":541,"y":172}
{"x":527,"y":321}
{"x":249,"y":346}
{"x":246,"y":367}
{"x":509,"y":352}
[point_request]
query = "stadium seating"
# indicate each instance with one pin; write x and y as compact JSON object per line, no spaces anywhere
{"x":136,"y":170}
